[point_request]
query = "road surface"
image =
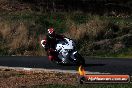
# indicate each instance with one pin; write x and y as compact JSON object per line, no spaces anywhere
{"x":101,"y":65}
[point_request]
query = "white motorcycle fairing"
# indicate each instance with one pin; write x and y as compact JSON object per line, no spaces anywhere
{"x":64,"y":48}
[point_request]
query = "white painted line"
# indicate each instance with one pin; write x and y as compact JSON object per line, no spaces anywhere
{"x":27,"y":69}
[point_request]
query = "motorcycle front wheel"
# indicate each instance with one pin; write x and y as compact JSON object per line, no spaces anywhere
{"x":79,"y":59}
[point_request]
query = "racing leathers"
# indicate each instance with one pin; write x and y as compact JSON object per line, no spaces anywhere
{"x":49,"y":43}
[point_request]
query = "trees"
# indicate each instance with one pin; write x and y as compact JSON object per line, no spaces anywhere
{"x":81,"y":5}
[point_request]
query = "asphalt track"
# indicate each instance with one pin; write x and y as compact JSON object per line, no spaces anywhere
{"x":101,"y":65}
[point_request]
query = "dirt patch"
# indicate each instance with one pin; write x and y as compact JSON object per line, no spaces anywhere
{"x":14,"y":79}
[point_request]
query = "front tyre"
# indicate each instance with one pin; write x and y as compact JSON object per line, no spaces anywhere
{"x":79,"y":59}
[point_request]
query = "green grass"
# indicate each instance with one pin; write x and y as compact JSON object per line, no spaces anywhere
{"x":37,"y":23}
{"x":44,"y":21}
{"x":85,"y":86}
{"x":125,"y":53}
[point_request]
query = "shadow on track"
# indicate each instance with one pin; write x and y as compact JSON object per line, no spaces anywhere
{"x":92,"y":65}
{"x":86,"y":65}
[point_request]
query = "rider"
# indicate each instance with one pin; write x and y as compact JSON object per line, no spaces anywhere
{"x":50,"y":42}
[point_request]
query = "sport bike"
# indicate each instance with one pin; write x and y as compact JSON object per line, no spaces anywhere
{"x":67,"y":53}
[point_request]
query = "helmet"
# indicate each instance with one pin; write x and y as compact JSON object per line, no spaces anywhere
{"x":51,"y":32}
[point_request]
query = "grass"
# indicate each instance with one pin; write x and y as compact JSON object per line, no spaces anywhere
{"x":30,"y":28}
{"x":125,"y":53}
{"x":85,"y":86}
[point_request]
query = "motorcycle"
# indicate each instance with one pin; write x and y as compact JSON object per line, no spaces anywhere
{"x":67,"y":53}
